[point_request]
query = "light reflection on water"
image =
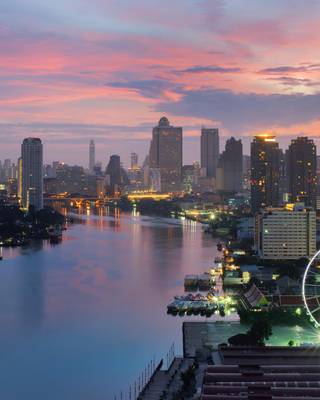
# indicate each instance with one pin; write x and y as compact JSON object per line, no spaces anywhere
{"x":81,"y":319}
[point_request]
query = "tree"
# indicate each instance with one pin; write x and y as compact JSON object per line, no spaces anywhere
{"x":241,"y":339}
{"x":261,"y":330}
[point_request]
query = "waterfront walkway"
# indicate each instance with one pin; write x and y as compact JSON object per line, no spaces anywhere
{"x":166,"y":382}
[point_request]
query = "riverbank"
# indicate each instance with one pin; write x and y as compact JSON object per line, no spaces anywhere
{"x":18,"y":227}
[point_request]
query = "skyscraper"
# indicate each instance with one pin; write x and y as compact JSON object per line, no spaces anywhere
{"x":229,"y":170}
{"x":264,"y":172}
{"x":209,"y":151}
{"x":114,"y":170}
{"x":92,"y":156}
{"x":166,"y":154}
{"x":20,"y":179}
{"x":32,"y":179}
{"x":302,"y":170}
{"x":134,"y":160}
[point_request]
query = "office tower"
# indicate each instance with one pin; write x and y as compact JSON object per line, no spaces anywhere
{"x":92,"y":156}
{"x":20,"y":179}
{"x":32,"y":170}
{"x":7,"y":169}
{"x":166,"y":154}
{"x":134,"y":161}
{"x":70,"y":179}
{"x":246,"y":168}
{"x":155,"y":179}
{"x":318,"y":172}
{"x":302,"y":169}
{"x":264,"y":172}
{"x":146,"y":172}
{"x":188,"y":178}
{"x":283,"y":177}
{"x":114,"y":170}
{"x":229,"y":170}
{"x":286,"y":233}
{"x":209,"y":151}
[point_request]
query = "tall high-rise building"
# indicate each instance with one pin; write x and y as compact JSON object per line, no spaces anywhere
{"x":283,"y":177}
{"x":246,"y":168}
{"x":20,"y":179}
{"x":166,"y":155}
{"x":302,"y":170}
{"x":114,"y":170}
{"x":209,"y":151}
{"x":92,"y":156}
{"x":134,"y":161}
{"x":229,"y":170}
{"x":70,"y":179}
{"x":32,"y":170}
{"x":264,"y":172}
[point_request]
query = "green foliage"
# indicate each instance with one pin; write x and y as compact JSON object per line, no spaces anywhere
{"x":17,"y":226}
{"x":162,"y":207}
{"x":260,"y":331}
{"x":276,"y":315}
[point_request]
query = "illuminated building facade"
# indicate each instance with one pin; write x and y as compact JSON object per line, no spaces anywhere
{"x":264,"y":172}
{"x":32,"y":173}
{"x":134,"y":161}
{"x":302,"y":169}
{"x":286,"y":233}
{"x":166,"y":155}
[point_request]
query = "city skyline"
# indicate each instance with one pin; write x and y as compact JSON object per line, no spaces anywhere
{"x":126,"y":157}
{"x":243,"y":70}
{"x":160,"y":199}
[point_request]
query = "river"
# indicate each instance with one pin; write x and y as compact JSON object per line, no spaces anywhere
{"x":81,"y":319}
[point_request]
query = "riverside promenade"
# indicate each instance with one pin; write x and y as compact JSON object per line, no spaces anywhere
{"x":164,"y":383}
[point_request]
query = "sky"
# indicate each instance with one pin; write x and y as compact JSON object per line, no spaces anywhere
{"x":108,"y":70}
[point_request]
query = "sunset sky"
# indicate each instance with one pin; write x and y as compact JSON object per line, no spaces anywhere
{"x":75,"y":70}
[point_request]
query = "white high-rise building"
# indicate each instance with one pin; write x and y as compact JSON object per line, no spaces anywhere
{"x":92,"y":156}
{"x":286,"y":233}
{"x":32,"y":173}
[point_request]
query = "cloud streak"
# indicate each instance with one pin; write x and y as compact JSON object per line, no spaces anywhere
{"x":198,"y":69}
{"x":240,"y":112}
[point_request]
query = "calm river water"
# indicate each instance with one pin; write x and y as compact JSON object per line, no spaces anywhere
{"x":81,"y":319}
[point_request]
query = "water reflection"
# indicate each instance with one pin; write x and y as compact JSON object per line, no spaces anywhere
{"x":93,"y":301}
{"x":31,"y":295}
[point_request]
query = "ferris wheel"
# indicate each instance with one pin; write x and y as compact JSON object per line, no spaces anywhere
{"x":311,"y":289}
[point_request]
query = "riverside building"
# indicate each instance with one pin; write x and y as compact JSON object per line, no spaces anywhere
{"x":32,"y":173}
{"x":286,"y":233}
{"x":166,"y":155}
{"x":265,"y":157}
